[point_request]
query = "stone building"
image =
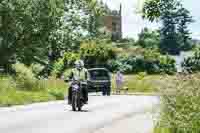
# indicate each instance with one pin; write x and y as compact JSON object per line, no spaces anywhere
{"x":113,"y":23}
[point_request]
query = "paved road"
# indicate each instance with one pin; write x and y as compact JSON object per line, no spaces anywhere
{"x":127,"y":114}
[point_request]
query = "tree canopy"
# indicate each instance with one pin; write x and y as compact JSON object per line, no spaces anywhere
{"x":43,"y":29}
{"x":175,"y":19}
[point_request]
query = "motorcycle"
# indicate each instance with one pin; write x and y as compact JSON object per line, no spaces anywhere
{"x":77,"y":96}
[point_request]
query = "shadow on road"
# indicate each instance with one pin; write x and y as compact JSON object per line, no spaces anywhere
{"x":82,"y":111}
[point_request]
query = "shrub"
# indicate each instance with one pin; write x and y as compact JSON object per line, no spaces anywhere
{"x":36,"y":68}
{"x":66,"y":62}
{"x":149,"y":39}
{"x":25,"y":79}
{"x":157,"y":63}
{"x":114,"y":65}
{"x":192,"y":63}
{"x":150,"y":61}
{"x":58,"y":68}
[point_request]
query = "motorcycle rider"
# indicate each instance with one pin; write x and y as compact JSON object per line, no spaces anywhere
{"x":79,"y":72}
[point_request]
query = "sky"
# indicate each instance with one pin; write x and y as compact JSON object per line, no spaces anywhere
{"x":132,"y":23}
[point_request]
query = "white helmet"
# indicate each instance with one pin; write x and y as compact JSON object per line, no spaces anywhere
{"x":79,"y":64}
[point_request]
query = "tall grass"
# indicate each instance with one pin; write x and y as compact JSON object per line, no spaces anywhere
{"x":10,"y":94}
{"x":25,"y":88}
{"x":56,"y":87}
{"x":139,"y":82}
{"x":14,"y":97}
{"x":180,"y":111}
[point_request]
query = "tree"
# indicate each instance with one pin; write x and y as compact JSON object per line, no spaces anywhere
{"x":42,"y":29}
{"x":76,"y":25}
{"x":96,"y":53}
{"x":169,"y":40}
{"x":151,"y":10}
{"x":171,"y":14}
{"x":149,"y":39}
{"x":184,"y":34}
{"x":95,"y":19}
{"x":25,"y":28}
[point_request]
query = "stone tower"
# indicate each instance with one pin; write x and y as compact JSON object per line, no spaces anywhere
{"x":113,"y":23}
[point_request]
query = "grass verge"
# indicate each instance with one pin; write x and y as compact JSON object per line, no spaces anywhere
{"x":11,"y":95}
{"x":141,"y":83}
{"x":55,"y":89}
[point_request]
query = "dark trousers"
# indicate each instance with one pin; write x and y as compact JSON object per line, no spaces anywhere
{"x":84,"y":92}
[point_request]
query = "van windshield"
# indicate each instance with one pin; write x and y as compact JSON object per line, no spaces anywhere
{"x":99,"y":75}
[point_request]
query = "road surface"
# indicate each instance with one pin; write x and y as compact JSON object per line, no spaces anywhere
{"x":114,"y":114}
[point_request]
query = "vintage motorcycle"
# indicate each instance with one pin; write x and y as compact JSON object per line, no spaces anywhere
{"x":77,"y":96}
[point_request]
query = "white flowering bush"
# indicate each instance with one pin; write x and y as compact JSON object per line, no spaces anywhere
{"x":180,"y":111}
{"x":25,"y":78}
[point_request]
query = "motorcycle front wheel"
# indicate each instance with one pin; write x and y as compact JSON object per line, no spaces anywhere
{"x":74,"y":101}
{"x":79,"y":103}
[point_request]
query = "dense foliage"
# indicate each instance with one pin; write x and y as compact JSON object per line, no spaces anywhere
{"x":41,"y":31}
{"x":25,"y":79}
{"x":192,"y":63}
{"x":67,"y":61}
{"x":96,"y":54}
{"x":149,"y":39}
{"x":175,"y":19}
{"x":25,"y":28}
{"x":151,"y":62}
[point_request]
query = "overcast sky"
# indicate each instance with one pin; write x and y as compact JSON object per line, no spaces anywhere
{"x":133,"y":23}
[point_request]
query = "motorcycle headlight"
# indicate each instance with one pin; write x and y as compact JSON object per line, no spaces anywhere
{"x":75,"y":86}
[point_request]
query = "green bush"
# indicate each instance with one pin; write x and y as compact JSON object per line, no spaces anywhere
{"x":36,"y":68}
{"x":192,"y":63}
{"x":25,"y":78}
{"x":127,"y":64}
{"x":58,"y":68}
{"x":157,"y":63}
{"x":66,"y":62}
{"x":149,"y":39}
{"x":150,"y":61}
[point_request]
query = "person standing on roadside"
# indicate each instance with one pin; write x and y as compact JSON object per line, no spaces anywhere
{"x":119,"y":81}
